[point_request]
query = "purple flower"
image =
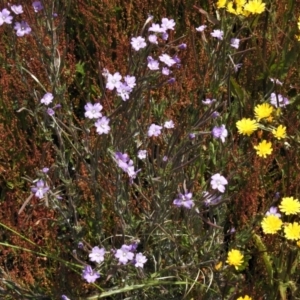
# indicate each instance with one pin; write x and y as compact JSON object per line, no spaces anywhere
{"x":279,"y":100}
{"x":169,"y":124}
{"x":113,"y":81}
{"x":142,"y":154}
{"x":130,"y":81}
{"x":40,"y":189}
{"x":64,"y":297}
{"x":273,"y":211}
{"x":217,"y":33}
{"x":80,"y":245}
{"x":5,"y":17}
{"x":165,"y":158}
{"x":156,"y":28}
{"x":37,"y":6}
{"x":124,"y":254}
{"x":235,"y":43}
{"x":201,"y":28}
{"x":152,"y":39}
{"x":210,"y":199}
{"x":171,"y":80}
{"x":123,"y":161}
{"x":97,"y":254}
{"x":177,"y":59}
{"x":192,"y":136}
{"x":184,"y":200}
{"x":165,"y":36}
{"x":167,"y":24}
{"x":102,"y":125}
{"x":165,"y":58}
{"x":89,"y":274}
{"x":165,"y":71}
{"x":45,"y":170}
{"x":138,"y":43}
{"x":140,"y":260}
{"x":276,"y":81}
{"x":50,"y":112}
{"x":237,"y":67}
{"x":132,"y":173}
{"x":92,"y":111}
{"x":133,"y":246}
{"x":123,"y":90}
{"x":215,"y":114}
{"x":47,"y":99}
{"x":17,"y":9}
{"x":218,"y":182}
{"x":154,"y":130}
{"x":152,"y":63}
{"x":220,"y":133}
{"x":208,"y":101}
{"x":182,"y":46}
{"x":22,"y":28}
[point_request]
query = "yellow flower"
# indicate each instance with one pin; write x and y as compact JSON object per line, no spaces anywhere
{"x":292,"y":231}
{"x":271,"y":224}
{"x":255,"y":6}
{"x":221,"y":3}
{"x":218,"y":266}
{"x":263,"y":111}
{"x":280,"y":132}
{"x":244,"y":298}
{"x":290,"y":206}
{"x":246,"y":126}
{"x":235,"y":258}
{"x":298,"y":243}
{"x":298,"y":23}
{"x":238,"y":10}
{"x":263,"y":149}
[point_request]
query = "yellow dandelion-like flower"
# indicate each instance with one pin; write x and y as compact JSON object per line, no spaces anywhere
{"x":264,"y":148}
{"x":255,"y":6}
{"x":271,"y":224}
{"x":246,"y":126}
{"x":235,"y":258}
{"x":244,"y":298}
{"x":289,"y":206}
{"x":298,"y":243}
{"x":292,"y":231}
{"x":280,"y":132}
{"x":298,"y":23}
{"x":230,"y":8}
{"x":263,"y":111}
{"x":221,"y":3}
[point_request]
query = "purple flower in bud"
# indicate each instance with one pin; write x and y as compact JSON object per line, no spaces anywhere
{"x":171,"y":80}
{"x":182,"y":46}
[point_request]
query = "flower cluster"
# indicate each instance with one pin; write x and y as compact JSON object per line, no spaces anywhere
{"x":113,"y":81}
{"x":264,"y":113}
{"x":127,"y":253}
{"x":93,"y":111}
{"x":159,"y":32}
{"x":272,"y":222}
{"x":242,"y":7}
{"x":22,"y":28}
{"x":47,"y":99}
{"x":126,"y":164}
